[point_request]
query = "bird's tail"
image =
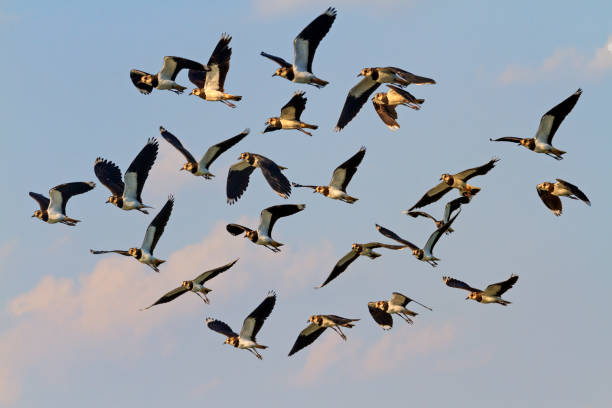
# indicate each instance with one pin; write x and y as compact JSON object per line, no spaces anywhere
{"x":503,"y":302}
{"x":350,"y":199}
{"x":71,"y":220}
{"x":158,"y":262}
{"x":233,"y":97}
{"x":308,"y":126}
{"x":557,"y":152}
{"x":260,"y":346}
{"x":319,"y":82}
{"x":471,"y":191}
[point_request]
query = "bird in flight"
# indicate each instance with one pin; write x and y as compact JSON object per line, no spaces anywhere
{"x":165,"y":78}
{"x":53,"y":209}
{"x":304,"y":47}
{"x":492,"y":294}
{"x":449,"y":209}
{"x":239,"y":174}
{"x":550,"y":192}
{"x":386,"y":102}
{"x":290,"y":116}
{"x":318,"y":324}
{"x":382,"y":310}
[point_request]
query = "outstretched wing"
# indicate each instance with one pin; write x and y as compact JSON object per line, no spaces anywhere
{"x":278,"y":60}
{"x":157,"y":226}
{"x":392,"y":235}
{"x":415,"y":214}
{"x":453,"y":205}
{"x":552,"y":202}
{"x":476,"y":171}
{"x":433,"y":195}
{"x":237,"y":180}
{"x":340,"y":266}
{"x":170,"y":296}
{"x":499,"y":288}
{"x":306,"y":337}
{"x":575,"y":190}
{"x":306,"y":43}
{"x":253,"y":323}
{"x":552,"y":119}
{"x":135,"y":76}
{"x":236,"y":229}
{"x":220,"y":327}
{"x":507,"y":139}
{"x":219,"y":64}
{"x":208,"y":275}
{"x":270,"y":215}
{"x":173,"y":140}
{"x":173,"y":65}
{"x":384,"y":319}
{"x":116,"y":251}
{"x":435,"y":236}
{"x":42,"y":201}
{"x":387,"y":114}
{"x":357,"y":96}
{"x":455,"y":283}
{"x":137,"y":173}
{"x":217,"y":150}
{"x":198,"y":78}
{"x":276,"y":179}
{"x":61,"y":194}
{"x":344,"y":173}
{"x":294,"y":108}
{"x":409,"y":77}
{"x":109,"y":174}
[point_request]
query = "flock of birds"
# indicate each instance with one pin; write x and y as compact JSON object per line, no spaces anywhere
{"x":209,"y":79}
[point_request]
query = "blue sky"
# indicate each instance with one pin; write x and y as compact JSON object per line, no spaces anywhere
{"x":70,"y":329}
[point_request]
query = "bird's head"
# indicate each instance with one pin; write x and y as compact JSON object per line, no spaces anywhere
{"x":274,"y":122}
{"x":196,"y":92}
{"x":380,"y":98}
{"x":112,"y":200}
{"x":319,"y":189}
{"x":356,"y":247}
{"x":365,"y":72}
{"x":187,"y":166}
{"x":244,"y":156}
{"x":232,"y":341}
{"x":418,"y":253}
{"x":447,"y":178}
{"x":187,"y":285}
{"x":546,"y":186}
{"x":316,"y":319}
{"x":281,"y":72}
{"x":380,"y":305}
{"x":528,"y":143}
{"x":147,"y":79}
{"x":135,"y":252}
{"x":472,"y":295}
{"x":37,"y":214}
{"x":252,"y":235}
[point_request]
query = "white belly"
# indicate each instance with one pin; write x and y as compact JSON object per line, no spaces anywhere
{"x":542,"y":147}
{"x":302,"y":77}
{"x":214,"y":95}
{"x":55,"y":217}
{"x":245,"y":343}
{"x":336,"y":193}
{"x":396,"y":309}
{"x":130,"y":204}
{"x":290,"y":124}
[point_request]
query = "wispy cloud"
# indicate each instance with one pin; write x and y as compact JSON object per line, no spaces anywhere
{"x":564,"y":61}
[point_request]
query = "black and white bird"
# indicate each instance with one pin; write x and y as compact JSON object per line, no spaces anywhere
{"x":165,"y":78}
{"x":144,"y":254}
{"x":550,"y":122}
{"x":53,"y":209}
{"x":304,"y":47}
{"x":449,"y":209}
{"x":290,"y":116}
{"x":382,"y":310}
{"x":201,"y":168}
{"x":239,"y":174}
{"x":372,"y":78}
{"x":263,"y":234}
{"x":318,"y":324}
{"x":210,"y":83}
{"x":550,"y":192}
{"x":354,"y":253}
{"x":127,"y":194}
{"x":385,"y":104}
{"x":251,"y":326}
{"x":424,"y":254}
{"x":340,"y":179}
{"x":458,"y":181}
{"x":492,"y":294}
{"x":196,"y":286}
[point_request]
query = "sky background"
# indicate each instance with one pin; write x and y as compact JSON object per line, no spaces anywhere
{"x":71,"y":333}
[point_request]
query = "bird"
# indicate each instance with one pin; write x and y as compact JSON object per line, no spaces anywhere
{"x":251,"y":326}
{"x":372,"y":78}
{"x":290,"y":116}
{"x":318,"y":324}
{"x":144,"y":254}
{"x":450,"y":207}
{"x":210,"y":83}
{"x":550,"y":122}
{"x":239,"y":174}
{"x":53,"y":209}
{"x":340,"y":179}
{"x":550,"y":192}
{"x":492,"y":294}
{"x":127,"y":195}
{"x":354,"y":253}
{"x":196,"y":286}
{"x":385,"y":104}
{"x":382,"y":310}
{"x":424,"y":254}
{"x":263,"y":234}
{"x":164,"y":79}
{"x":201,"y":168}
{"x":304,"y":47}
{"x":458,"y":181}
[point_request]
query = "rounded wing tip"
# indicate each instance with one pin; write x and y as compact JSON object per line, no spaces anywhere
{"x":246,"y":131}
{"x":162,"y":129}
{"x":337,"y":129}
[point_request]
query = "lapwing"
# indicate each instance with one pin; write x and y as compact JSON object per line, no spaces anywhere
{"x":382,"y":310}
{"x":290,"y":116}
{"x":210,"y":83}
{"x":550,"y":122}
{"x":385,"y":104}
{"x":458,"y":181}
{"x":263,"y":234}
{"x":201,"y":168}
{"x":340,"y":179}
{"x":53,"y":209}
{"x":144,"y":254}
{"x":550,"y":192}
{"x":372,"y":78}
{"x":449,"y":209}
{"x":196,"y":286}
{"x":239,"y":174}
{"x":492,"y":294}
{"x":318,"y":324}
{"x":251,"y":326}
{"x":304,"y":47}
{"x":355,"y":252}
{"x":127,"y":195}
{"x":165,"y":78}
{"x":424,"y":254}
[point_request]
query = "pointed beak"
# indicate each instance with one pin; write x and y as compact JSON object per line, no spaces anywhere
{"x":467,"y":298}
{"x":314,"y":191}
{"x":182,"y":168}
{"x":359,"y":74}
{"x":33,"y":216}
{"x":274,"y":74}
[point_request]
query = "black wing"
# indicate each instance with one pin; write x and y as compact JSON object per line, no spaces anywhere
{"x":219,"y":63}
{"x":392,"y":235}
{"x":344,"y":173}
{"x":135,"y":76}
{"x":237,"y":180}
{"x":387,"y":114}
{"x":236,"y":229}
{"x":306,"y":337}
{"x":254,"y":321}
{"x":173,"y":140}
{"x":115,"y":251}
{"x":170,"y":296}
{"x":294,"y":108}
{"x":278,"y":60}
{"x":357,"y":96}
{"x":173,"y":65}
{"x":109,"y":174}
{"x":217,"y":150}
{"x":499,"y":288}
{"x":453,"y":206}
{"x":306,"y":43}
{"x":415,"y":214}
{"x":455,"y":283}
{"x":340,"y":266}
{"x":42,"y":201}
{"x":198,"y":78}
{"x":220,"y":327}
{"x":410,"y":78}
{"x":507,"y":139}
{"x":433,"y":195}
{"x":399,"y":299}
{"x":575,"y":191}
{"x":477,"y":171}
{"x":384,"y":319}
{"x":63,"y":192}
{"x":208,"y":275}
{"x":552,"y":119}
{"x":341,"y":320}
{"x":435,"y":236}
{"x":140,"y":167}
{"x":274,"y":176}
{"x":157,"y":226}
{"x":270,"y":215}
{"x":552,"y":202}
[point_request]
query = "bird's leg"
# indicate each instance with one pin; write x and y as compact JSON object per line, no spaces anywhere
{"x":271,"y":248}
{"x":205,"y":299}
{"x":406,"y":318}
{"x":153,"y":267}
{"x":143,"y":211}
{"x":303,"y":131}
{"x":339,"y":331}
{"x":554,"y":156}
{"x":255,"y":353}
{"x":231,"y":105}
